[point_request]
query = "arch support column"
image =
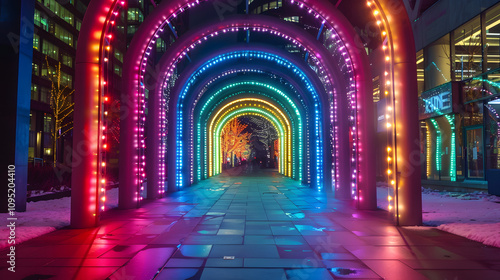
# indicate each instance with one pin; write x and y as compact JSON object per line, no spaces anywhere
{"x":408,"y":181}
{"x":84,"y":189}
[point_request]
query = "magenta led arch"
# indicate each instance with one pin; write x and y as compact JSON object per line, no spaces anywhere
{"x":235,"y":55}
{"x":217,"y":28}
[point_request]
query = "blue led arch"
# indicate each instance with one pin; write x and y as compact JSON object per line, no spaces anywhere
{"x":258,"y":55}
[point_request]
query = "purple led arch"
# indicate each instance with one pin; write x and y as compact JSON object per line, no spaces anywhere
{"x":181,"y":51}
{"x":168,"y":60}
{"x":193,"y":101}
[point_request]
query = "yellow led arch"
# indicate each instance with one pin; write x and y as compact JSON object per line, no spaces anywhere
{"x":278,"y":123}
{"x":287,"y":169}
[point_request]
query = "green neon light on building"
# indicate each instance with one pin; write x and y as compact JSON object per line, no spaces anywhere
{"x":453,"y":165}
{"x":438,"y":144}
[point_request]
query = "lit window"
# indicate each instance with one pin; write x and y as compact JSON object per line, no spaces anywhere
{"x":134,"y":14}
{"x":36,"y":41}
{"x":50,"y":50}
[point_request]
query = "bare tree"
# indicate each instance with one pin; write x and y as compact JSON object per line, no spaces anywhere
{"x":234,"y":140}
{"x":61,"y":104}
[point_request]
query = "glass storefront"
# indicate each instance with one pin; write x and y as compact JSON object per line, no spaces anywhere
{"x":467,"y":46}
{"x":492,"y":145}
{"x":492,"y":29}
{"x":437,"y":111}
{"x":474,"y":152}
{"x":460,"y":104}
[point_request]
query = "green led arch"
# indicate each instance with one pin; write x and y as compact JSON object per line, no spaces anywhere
{"x":241,"y":112}
{"x":256,"y":84}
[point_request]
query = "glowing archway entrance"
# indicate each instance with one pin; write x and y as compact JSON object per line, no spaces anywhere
{"x":343,"y":100}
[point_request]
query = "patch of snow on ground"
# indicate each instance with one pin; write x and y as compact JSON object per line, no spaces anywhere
{"x":488,"y":234}
{"x":42,"y":217}
{"x":475,"y":216}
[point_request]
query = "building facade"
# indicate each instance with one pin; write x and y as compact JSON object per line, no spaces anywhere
{"x":458,"y":64}
{"x":56,"y":27}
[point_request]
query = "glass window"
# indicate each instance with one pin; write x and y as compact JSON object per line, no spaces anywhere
{"x":376,"y":89}
{"x":131,"y":29}
{"x":66,"y":80}
{"x":78,"y":25}
{"x":160,"y":45}
{"x":34,"y":92}
{"x":474,"y":150}
{"x":81,"y":7}
{"x":41,"y":20}
{"x":492,"y":134}
{"x":59,"y":10}
{"x":45,"y":95}
{"x":134,"y":14}
{"x":50,"y":50}
{"x":468,"y":50}
{"x":437,"y":63}
{"x":118,"y":70}
{"x":492,"y":47}
{"x":272,"y":5}
{"x":36,"y":41}
{"x":119,"y":56}
{"x":35,"y":70}
{"x":292,"y":19}
{"x":120,"y":28}
{"x":67,"y":60}
{"x":63,"y":35}
{"x":420,"y":71}
{"x":47,"y":123}
{"x":265,"y":7}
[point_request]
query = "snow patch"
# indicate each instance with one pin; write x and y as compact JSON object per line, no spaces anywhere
{"x":488,"y":234}
{"x":475,"y":216}
{"x":42,"y":217}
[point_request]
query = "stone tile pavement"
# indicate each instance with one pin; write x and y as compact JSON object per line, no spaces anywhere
{"x":251,"y":226}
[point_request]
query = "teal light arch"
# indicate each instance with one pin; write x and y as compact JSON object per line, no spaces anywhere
{"x":256,"y":84}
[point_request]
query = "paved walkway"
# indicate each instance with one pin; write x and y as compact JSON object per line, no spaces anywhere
{"x":257,"y":226}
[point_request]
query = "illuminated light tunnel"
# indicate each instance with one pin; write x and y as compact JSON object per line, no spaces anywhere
{"x":321,"y":105}
{"x":253,"y":105}
{"x":238,"y":55}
